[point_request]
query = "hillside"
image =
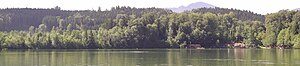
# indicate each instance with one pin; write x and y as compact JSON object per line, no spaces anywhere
{"x":23,"y":18}
{"x":129,"y":27}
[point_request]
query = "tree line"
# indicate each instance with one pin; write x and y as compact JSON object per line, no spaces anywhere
{"x":127,"y":27}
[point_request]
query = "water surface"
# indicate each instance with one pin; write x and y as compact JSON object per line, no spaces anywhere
{"x":151,"y":57}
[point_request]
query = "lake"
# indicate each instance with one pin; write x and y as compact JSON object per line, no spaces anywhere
{"x":151,"y":57}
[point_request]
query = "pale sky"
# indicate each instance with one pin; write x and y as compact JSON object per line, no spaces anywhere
{"x":257,"y":6}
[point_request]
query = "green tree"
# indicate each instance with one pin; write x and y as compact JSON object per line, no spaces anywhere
{"x":296,"y":41}
{"x":281,"y":37}
{"x":270,"y":38}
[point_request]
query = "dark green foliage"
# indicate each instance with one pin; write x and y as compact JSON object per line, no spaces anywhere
{"x":240,"y":14}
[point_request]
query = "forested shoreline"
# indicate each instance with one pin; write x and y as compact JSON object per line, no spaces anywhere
{"x":129,"y":27}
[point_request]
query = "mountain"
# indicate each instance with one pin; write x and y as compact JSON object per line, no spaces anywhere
{"x":192,"y":6}
{"x":297,"y":9}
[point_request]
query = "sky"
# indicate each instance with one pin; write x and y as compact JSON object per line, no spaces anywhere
{"x":257,"y":6}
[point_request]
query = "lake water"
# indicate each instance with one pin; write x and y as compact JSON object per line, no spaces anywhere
{"x":152,"y":57}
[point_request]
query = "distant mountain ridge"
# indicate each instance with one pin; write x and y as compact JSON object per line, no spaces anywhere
{"x":297,"y":9}
{"x":192,"y":6}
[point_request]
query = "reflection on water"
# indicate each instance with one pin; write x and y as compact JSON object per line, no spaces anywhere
{"x":151,"y":57}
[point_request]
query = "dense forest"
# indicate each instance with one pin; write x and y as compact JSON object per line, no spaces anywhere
{"x":129,"y":27}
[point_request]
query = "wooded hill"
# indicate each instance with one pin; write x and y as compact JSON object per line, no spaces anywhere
{"x":128,"y":27}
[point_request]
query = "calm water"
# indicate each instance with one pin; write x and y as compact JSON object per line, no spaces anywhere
{"x":151,"y":57}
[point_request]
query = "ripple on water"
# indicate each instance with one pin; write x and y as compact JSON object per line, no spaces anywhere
{"x":297,"y":62}
{"x":265,"y":62}
{"x":224,"y":59}
{"x":259,"y":60}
